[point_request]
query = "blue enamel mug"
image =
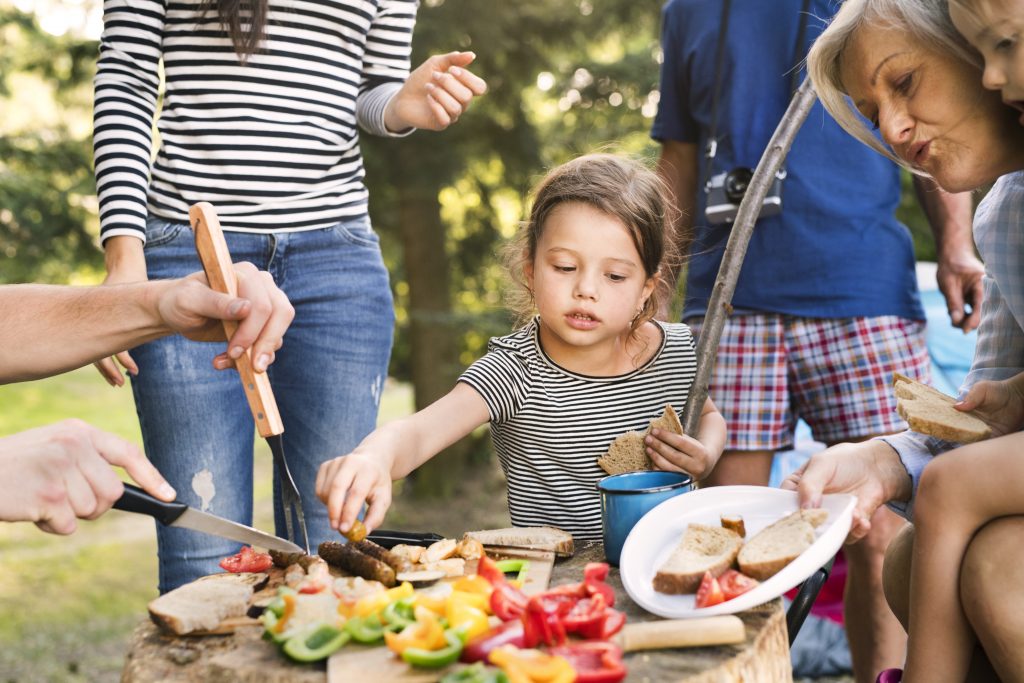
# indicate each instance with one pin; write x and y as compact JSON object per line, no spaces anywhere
{"x":625,"y":498}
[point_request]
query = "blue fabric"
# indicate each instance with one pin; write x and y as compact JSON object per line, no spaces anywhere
{"x":836,"y":250}
{"x":327,"y":379}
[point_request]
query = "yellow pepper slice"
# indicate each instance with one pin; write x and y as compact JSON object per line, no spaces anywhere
{"x":532,"y":666}
{"x":464,"y":615}
{"x":425,"y":634}
{"x":378,"y":601}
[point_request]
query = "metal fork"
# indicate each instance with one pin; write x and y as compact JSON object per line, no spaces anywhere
{"x":216,"y":259}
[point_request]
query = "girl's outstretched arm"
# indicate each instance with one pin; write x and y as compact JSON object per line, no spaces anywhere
{"x":696,"y":457}
{"x":960,"y":492}
{"x":391,"y":452}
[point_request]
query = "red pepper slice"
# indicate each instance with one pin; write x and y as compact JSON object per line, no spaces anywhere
{"x":507,"y":601}
{"x":594,"y":661}
{"x":594,"y":575}
{"x":488,"y":569}
{"x":479,"y":649}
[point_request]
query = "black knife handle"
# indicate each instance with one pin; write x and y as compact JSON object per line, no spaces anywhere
{"x":389,"y":539}
{"x":137,"y":500}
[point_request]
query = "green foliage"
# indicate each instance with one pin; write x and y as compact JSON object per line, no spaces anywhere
{"x":47,"y":202}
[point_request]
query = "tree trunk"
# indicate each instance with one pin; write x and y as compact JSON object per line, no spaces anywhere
{"x":434,"y":351}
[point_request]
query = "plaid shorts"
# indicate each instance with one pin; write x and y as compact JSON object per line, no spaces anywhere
{"x":835,"y":374}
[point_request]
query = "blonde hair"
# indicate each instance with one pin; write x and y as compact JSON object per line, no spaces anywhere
{"x":927,"y":21}
{"x":620,"y":187}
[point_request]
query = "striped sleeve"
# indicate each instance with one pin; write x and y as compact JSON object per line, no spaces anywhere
{"x":386,"y":63}
{"x":501,"y":379}
{"x":126,"y":86}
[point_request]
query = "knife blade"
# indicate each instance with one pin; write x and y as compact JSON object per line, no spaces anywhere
{"x":181,"y":515}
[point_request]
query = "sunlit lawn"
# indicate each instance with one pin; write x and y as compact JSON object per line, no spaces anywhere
{"x":69,"y":603}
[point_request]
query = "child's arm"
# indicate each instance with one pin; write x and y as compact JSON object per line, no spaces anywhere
{"x":697,"y":457}
{"x":392,"y":452}
{"x":999,"y":403}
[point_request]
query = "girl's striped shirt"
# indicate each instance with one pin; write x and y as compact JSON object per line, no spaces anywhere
{"x":549,"y":426}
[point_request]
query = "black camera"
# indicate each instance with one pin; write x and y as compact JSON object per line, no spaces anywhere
{"x":725,"y":192}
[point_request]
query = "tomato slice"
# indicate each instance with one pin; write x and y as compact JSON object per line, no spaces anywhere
{"x":709,"y":593}
{"x":247,"y":560}
{"x":734,"y":583}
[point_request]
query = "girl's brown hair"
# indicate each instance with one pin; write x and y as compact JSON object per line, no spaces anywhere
{"x":620,"y":187}
{"x":245,"y":21}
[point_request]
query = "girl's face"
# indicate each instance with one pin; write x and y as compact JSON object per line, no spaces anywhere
{"x":588,"y":281}
{"x":995,"y":28}
{"x":931,"y":109}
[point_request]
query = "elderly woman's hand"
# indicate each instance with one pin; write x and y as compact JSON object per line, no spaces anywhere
{"x":436,"y":94}
{"x":870,"y":470}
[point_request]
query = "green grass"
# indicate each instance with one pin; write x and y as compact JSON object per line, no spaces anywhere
{"x":69,"y":604}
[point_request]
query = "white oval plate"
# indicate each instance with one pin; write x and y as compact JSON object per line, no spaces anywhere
{"x":658,"y":533}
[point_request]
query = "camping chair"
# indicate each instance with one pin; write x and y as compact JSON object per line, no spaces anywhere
{"x":804,"y":600}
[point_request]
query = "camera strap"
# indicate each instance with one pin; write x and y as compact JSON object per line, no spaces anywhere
{"x":794,"y":82}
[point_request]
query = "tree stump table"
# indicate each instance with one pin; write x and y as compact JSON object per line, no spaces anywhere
{"x":243,"y":657}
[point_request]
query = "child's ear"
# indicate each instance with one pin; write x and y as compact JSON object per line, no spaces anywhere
{"x":528,"y":274}
{"x":649,"y":287}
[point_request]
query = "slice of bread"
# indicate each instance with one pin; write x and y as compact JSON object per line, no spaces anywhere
{"x":931,"y":412}
{"x":203,"y":604}
{"x":702,"y":549}
{"x":628,"y":453}
{"x":537,"y":537}
{"x":780,"y":543}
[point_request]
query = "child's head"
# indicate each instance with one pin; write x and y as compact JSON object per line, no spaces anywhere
{"x":995,"y":28}
{"x":607,"y":187}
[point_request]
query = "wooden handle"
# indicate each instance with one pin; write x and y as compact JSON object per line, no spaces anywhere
{"x":656,"y":635}
{"x":216,"y":259}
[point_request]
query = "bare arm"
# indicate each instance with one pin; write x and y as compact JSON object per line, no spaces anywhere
{"x":50,"y":329}
{"x":392,"y":452}
{"x":960,"y":271}
{"x":678,"y":166}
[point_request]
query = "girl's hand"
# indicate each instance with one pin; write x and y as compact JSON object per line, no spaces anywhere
{"x":1000,"y":404}
{"x":435,"y":95}
{"x":675,"y":452}
{"x":345,"y":483}
{"x":125,"y":263}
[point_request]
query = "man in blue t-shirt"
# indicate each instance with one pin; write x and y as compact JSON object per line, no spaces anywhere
{"x":826,"y":307}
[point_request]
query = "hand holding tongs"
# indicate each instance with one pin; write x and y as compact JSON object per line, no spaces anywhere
{"x":216,"y":259}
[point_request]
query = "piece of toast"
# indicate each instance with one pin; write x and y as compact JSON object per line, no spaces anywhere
{"x":203,"y":604}
{"x":931,"y":412}
{"x":628,"y":453}
{"x":702,"y":549}
{"x":536,"y":537}
{"x":780,"y":543}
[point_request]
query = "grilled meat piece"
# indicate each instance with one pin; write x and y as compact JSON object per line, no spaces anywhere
{"x":285,"y":560}
{"x":393,"y":560}
{"x":345,"y":556}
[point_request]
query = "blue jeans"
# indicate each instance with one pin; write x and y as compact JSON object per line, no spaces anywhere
{"x":327,"y":379}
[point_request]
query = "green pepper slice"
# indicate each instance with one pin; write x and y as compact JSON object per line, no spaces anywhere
{"x":476,"y":673}
{"x":517,"y":567}
{"x":398,"y":614}
{"x":270,"y":619}
{"x":316,"y":644}
{"x":367,"y":630}
{"x":435,"y":659}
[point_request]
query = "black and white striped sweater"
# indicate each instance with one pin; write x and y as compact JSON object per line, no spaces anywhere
{"x":272,"y":144}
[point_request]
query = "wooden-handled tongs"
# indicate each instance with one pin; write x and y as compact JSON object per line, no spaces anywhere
{"x":213,"y":252}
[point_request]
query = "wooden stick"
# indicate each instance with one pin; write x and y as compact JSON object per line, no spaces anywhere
{"x":736,"y":248}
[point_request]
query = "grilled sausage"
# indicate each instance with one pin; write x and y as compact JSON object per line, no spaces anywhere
{"x":396,"y":562}
{"x":346,"y":557}
{"x":283,"y":559}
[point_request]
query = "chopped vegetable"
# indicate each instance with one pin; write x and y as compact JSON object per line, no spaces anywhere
{"x":734,"y":583}
{"x":710,"y":592}
{"x":479,"y":649}
{"x":247,"y":560}
{"x":517,"y":567}
{"x":477,"y":673}
{"x":436,"y":658}
{"x":365,"y":630}
{"x":594,"y":662}
{"x":316,"y":644}
{"x":425,"y":633}
{"x":532,"y":666}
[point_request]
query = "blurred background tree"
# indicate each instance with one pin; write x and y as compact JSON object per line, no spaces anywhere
{"x":565,"y":78}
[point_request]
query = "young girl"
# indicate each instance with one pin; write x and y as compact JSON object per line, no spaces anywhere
{"x":591,"y":365}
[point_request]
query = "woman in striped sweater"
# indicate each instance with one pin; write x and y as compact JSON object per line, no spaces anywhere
{"x":590,"y":364}
{"x":259,"y":117}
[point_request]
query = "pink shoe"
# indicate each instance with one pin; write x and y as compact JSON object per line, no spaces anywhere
{"x":890,"y":676}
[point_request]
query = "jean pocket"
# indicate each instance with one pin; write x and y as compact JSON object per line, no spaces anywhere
{"x":161,"y":231}
{"x":357,"y":232}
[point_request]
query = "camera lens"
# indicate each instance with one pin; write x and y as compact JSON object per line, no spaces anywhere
{"x":736,"y":182}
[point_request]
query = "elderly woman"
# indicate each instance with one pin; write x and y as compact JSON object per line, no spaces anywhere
{"x":900,"y":66}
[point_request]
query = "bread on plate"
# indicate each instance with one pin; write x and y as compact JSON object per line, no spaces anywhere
{"x":778,"y":544}
{"x":702,"y":549}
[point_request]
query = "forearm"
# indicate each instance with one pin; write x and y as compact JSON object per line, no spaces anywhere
{"x":711,"y":432}
{"x":50,"y":329}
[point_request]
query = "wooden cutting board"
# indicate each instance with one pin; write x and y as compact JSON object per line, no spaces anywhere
{"x":353,"y":663}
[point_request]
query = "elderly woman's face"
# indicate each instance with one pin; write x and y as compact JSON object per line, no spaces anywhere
{"x":931,"y":109}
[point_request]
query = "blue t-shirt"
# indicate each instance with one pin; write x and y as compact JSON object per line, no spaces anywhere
{"x":837,"y":249}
